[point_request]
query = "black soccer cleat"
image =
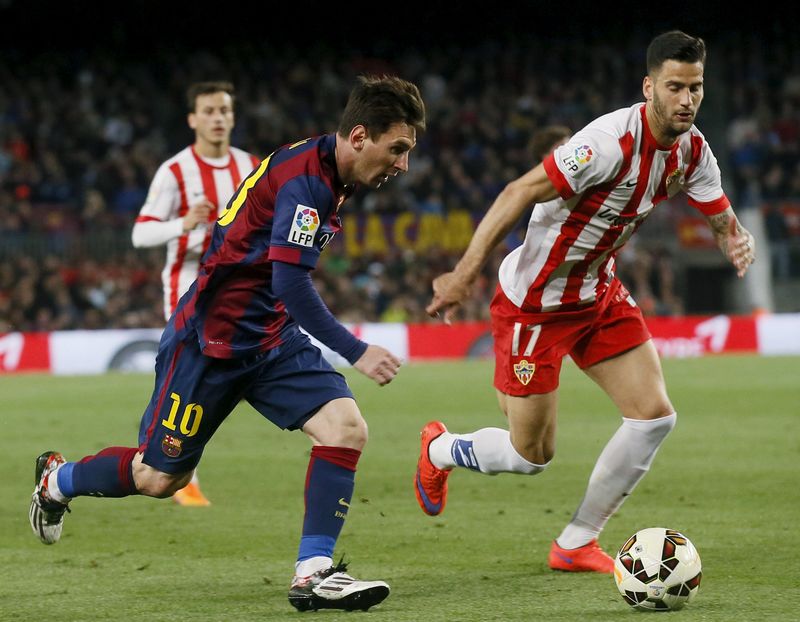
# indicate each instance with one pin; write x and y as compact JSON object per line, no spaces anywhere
{"x":46,"y":515}
{"x":332,"y":588}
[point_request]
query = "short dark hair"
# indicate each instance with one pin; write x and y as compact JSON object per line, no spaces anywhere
{"x":543,"y":141}
{"x":377,"y":102}
{"x":675,"y":45}
{"x":205,"y":88}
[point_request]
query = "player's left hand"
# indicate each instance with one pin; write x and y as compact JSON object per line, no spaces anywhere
{"x":741,"y":247}
{"x":378,"y":364}
{"x":201,"y":212}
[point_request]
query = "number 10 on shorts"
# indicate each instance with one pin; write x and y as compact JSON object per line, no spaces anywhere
{"x":533,"y":329}
{"x":190,"y":421}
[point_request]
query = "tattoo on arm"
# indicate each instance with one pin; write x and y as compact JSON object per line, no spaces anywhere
{"x":720,"y":224}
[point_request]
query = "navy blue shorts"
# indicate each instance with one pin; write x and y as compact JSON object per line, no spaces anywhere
{"x":195,"y":393}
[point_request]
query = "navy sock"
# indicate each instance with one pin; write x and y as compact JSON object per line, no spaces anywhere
{"x":329,"y":487}
{"x":106,"y":474}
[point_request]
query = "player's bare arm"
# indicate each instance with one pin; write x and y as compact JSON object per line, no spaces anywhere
{"x":735,"y":242}
{"x":197,"y":213}
{"x":452,"y":288}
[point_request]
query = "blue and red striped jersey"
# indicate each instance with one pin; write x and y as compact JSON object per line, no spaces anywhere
{"x":285,"y":210}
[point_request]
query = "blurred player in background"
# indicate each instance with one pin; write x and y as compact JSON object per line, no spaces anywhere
{"x":185,"y":196}
{"x":541,"y":144}
{"x":236,"y":335}
{"x":558,"y":295}
{"x":546,"y":139}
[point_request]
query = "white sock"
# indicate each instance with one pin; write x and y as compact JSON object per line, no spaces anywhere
{"x":488,"y":450}
{"x":52,"y":487}
{"x":194,"y":479}
{"x":624,"y":461}
{"x":309,"y":566}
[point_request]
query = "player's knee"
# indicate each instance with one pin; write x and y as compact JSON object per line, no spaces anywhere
{"x":526,"y":467}
{"x":352,"y":432}
{"x":536,"y":454}
{"x":153,"y":483}
{"x":654,"y":431}
{"x":539,"y":459}
{"x":648,"y":409}
{"x":656,"y":411}
{"x":358,"y":433}
{"x":666,"y":421}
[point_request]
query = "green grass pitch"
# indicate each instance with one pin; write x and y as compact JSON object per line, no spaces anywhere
{"x":727,"y":477}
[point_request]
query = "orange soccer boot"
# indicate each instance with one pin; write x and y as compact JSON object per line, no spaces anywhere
{"x":587,"y":558}
{"x":430,"y":482}
{"x":191,"y":495}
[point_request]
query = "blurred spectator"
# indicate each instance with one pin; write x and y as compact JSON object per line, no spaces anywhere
{"x":81,"y":134}
{"x":779,"y":240}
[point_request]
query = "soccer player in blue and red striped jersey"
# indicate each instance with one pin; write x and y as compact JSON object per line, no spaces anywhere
{"x":236,"y":335}
{"x":185,"y":198}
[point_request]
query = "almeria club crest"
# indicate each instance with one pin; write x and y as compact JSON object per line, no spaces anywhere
{"x":524,"y":371}
{"x":674,"y":177}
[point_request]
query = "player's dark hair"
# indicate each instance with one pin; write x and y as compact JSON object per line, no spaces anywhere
{"x":675,"y":45}
{"x":377,"y":102}
{"x":205,"y":88}
{"x":543,"y":141}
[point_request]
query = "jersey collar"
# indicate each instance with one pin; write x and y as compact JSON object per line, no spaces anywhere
{"x":328,"y":157}
{"x":205,"y":161}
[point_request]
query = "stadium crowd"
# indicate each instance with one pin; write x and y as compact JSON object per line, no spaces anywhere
{"x":81,"y":136}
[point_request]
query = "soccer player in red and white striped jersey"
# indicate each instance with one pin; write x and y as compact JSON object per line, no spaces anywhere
{"x":184,"y":199}
{"x":191,"y":187}
{"x":558,"y":295}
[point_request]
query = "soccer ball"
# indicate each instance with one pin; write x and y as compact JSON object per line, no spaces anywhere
{"x":657,"y":569}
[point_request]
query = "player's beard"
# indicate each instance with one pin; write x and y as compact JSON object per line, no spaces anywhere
{"x":664,"y":119}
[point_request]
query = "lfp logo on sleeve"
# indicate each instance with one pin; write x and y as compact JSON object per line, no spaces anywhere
{"x":583,"y":154}
{"x":304,"y":225}
{"x":580,"y":156}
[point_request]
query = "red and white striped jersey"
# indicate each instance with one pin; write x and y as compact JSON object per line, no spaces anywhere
{"x":181,"y":181}
{"x":609,"y":176}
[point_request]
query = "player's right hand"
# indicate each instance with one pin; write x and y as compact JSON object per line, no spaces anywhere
{"x":741,"y":247}
{"x":449,"y":291}
{"x":378,"y":364}
{"x":197,"y":214}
